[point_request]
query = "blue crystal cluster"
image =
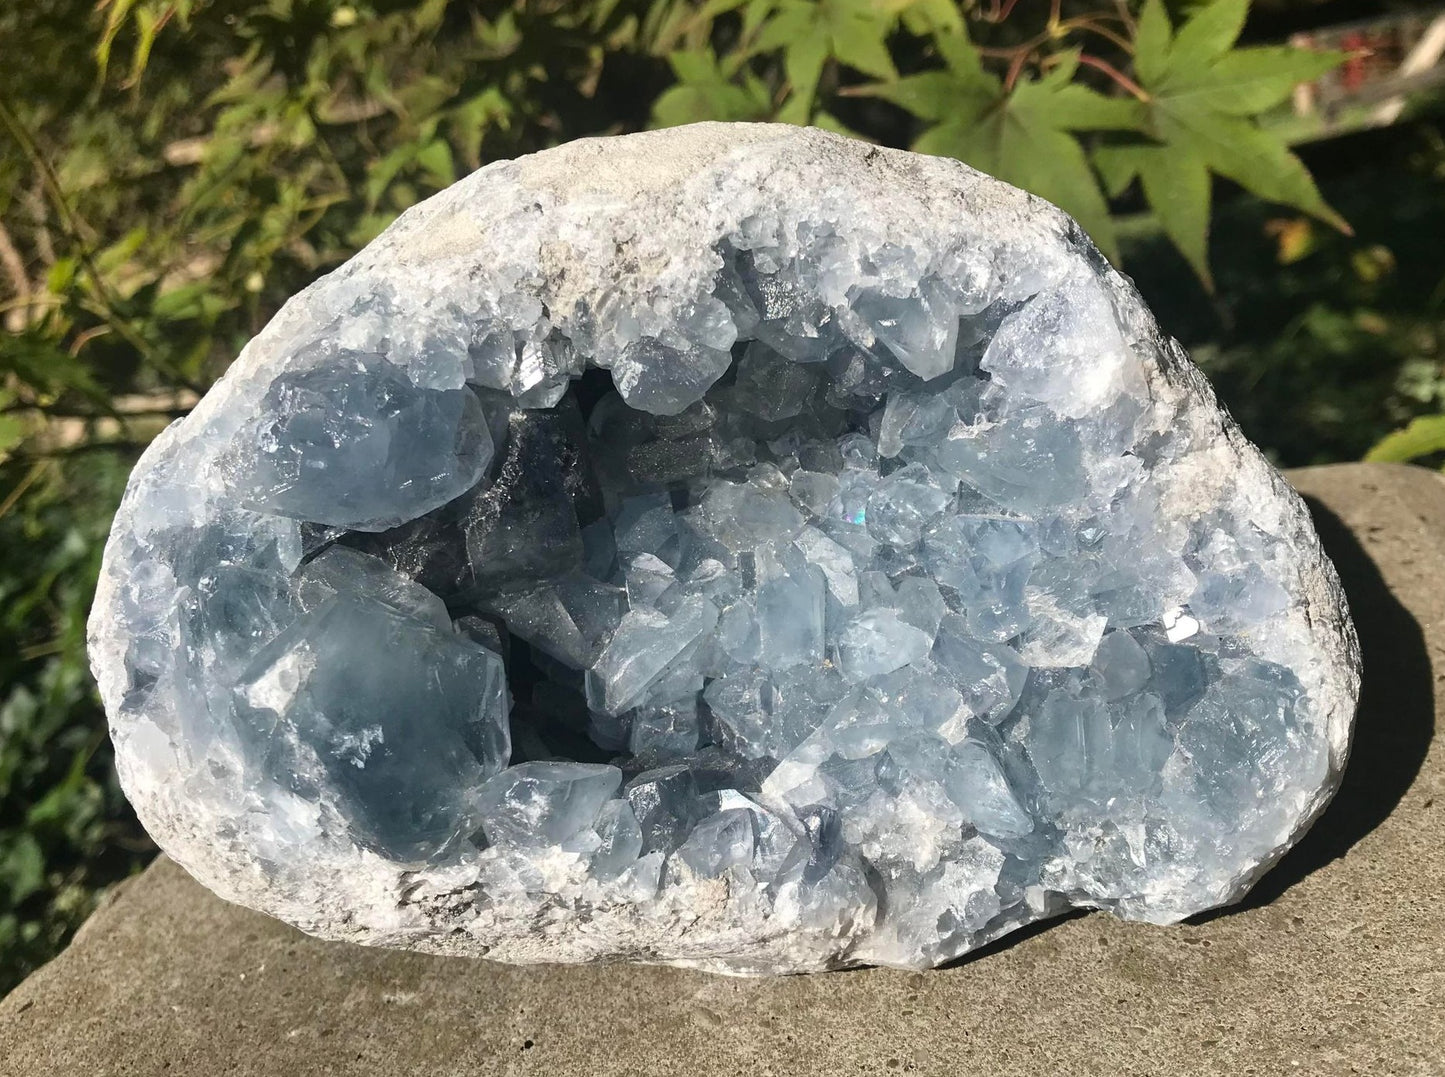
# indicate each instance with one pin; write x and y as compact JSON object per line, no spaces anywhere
{"x":848,"y":587}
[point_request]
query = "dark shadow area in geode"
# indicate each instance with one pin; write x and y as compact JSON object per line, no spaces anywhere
{"x":1393,"y":726}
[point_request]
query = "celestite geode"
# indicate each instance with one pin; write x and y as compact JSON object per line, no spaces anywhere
{"x":733,"y":546}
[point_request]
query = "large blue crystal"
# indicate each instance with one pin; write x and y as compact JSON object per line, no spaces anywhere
{"x":395,"y":722}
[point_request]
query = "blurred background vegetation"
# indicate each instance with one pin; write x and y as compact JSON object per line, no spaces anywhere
{"x":172,"y":170}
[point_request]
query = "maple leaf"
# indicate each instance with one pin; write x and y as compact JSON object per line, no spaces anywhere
{"x":1025,"y":135}
{"x":810,"y":32}
{"x":706,"y":90}
{"x":1202,"y":95}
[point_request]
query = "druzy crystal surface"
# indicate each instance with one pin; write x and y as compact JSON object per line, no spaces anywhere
{"x":721,"y":562}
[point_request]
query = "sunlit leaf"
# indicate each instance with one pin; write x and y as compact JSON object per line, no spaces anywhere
{"x":12,"y":432}
{"x":436,"y":159}
{"x":704,"y":92}
{"x":1024,"y":136}
{"x":809,"y":32}
{"x":1208,"y":33}
{"x":927,"y":16}
{"x":1177,"y":187}
{"x":1202,"y":97}
{"x":1424,"y":436}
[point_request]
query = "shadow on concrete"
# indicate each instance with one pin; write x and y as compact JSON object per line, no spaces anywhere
{"x":1393,"y":726}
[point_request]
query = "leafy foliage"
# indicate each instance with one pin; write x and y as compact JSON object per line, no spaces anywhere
{"x":66,"y":829}
{"x":1027,"y":133}
{"x":1198,"y":95}
{"x":174,"y":169}
{"x":1076,"y":109}
{"x":1320,"y":342}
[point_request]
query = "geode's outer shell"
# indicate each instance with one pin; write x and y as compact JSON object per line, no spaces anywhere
{"x":632,"y":223}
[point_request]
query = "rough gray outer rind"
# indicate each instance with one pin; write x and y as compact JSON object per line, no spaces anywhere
{"x":638,"y":216}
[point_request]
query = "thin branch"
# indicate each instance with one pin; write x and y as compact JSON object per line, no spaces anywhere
{"x":1000,"y":11}
{"x":998,"y":52}
{"x":35,"y":200}
{"x":191,"y":151}
{"x":14,"y":265}
{"x":13,"y":497}
{"x":73,"y":224}
{"x":82,"y":448}
{"x":122,"y":407}
{"x":19,"y":281}
{"x":45,"y":299}
{"x":1125,"y":15}
{"x":84,"y":338}
{"x":1015,"y":69}
{"x":1123,"y":80}
{"x":1092,"y":27}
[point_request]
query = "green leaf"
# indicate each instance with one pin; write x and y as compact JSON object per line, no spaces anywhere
{"x":1248,"y":81}
{"x":12,"y":432}
{"x":932,"y":95}
{"x":923,"y":17}
{"x":859,"y":33}
{"x":22,"y":871}
{"x":473,"y":117}
{"x":1078,"y":108}
{"x":1151,"y":41}
{"x":1202,"y":99}
{"x":198,"y":299}
{"x":962,"y":57}
{"x":804,"y":64}
{"x":713,"y":8}
{"x":114,"y":22}
{"x":436,"y":159}
{"x":754,"y":15}
{"x":1424,"y":435}
{"x":380,"y":174}
{"x":828,"y":122}
{"x":1209,"y":33}
{"x":1117,"y":167}
{"x":810,"y":32}
{"x":148,"y":24}
{"x":1177,"y":187}
{"x":700,"y":66}
{"x":1258,"y":161}
{"x":62,"y":275}
{"x":1025,"y":138}
{"x":706,"y":93}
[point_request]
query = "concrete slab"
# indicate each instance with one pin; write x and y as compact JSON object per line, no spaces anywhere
{"x":1334,"y":965}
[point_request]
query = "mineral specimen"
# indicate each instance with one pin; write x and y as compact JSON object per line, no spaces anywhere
{"x":733,"y":546}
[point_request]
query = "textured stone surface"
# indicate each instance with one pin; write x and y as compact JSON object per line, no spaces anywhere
{"x":1332,"y":966}
{"x":902,"y":585}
